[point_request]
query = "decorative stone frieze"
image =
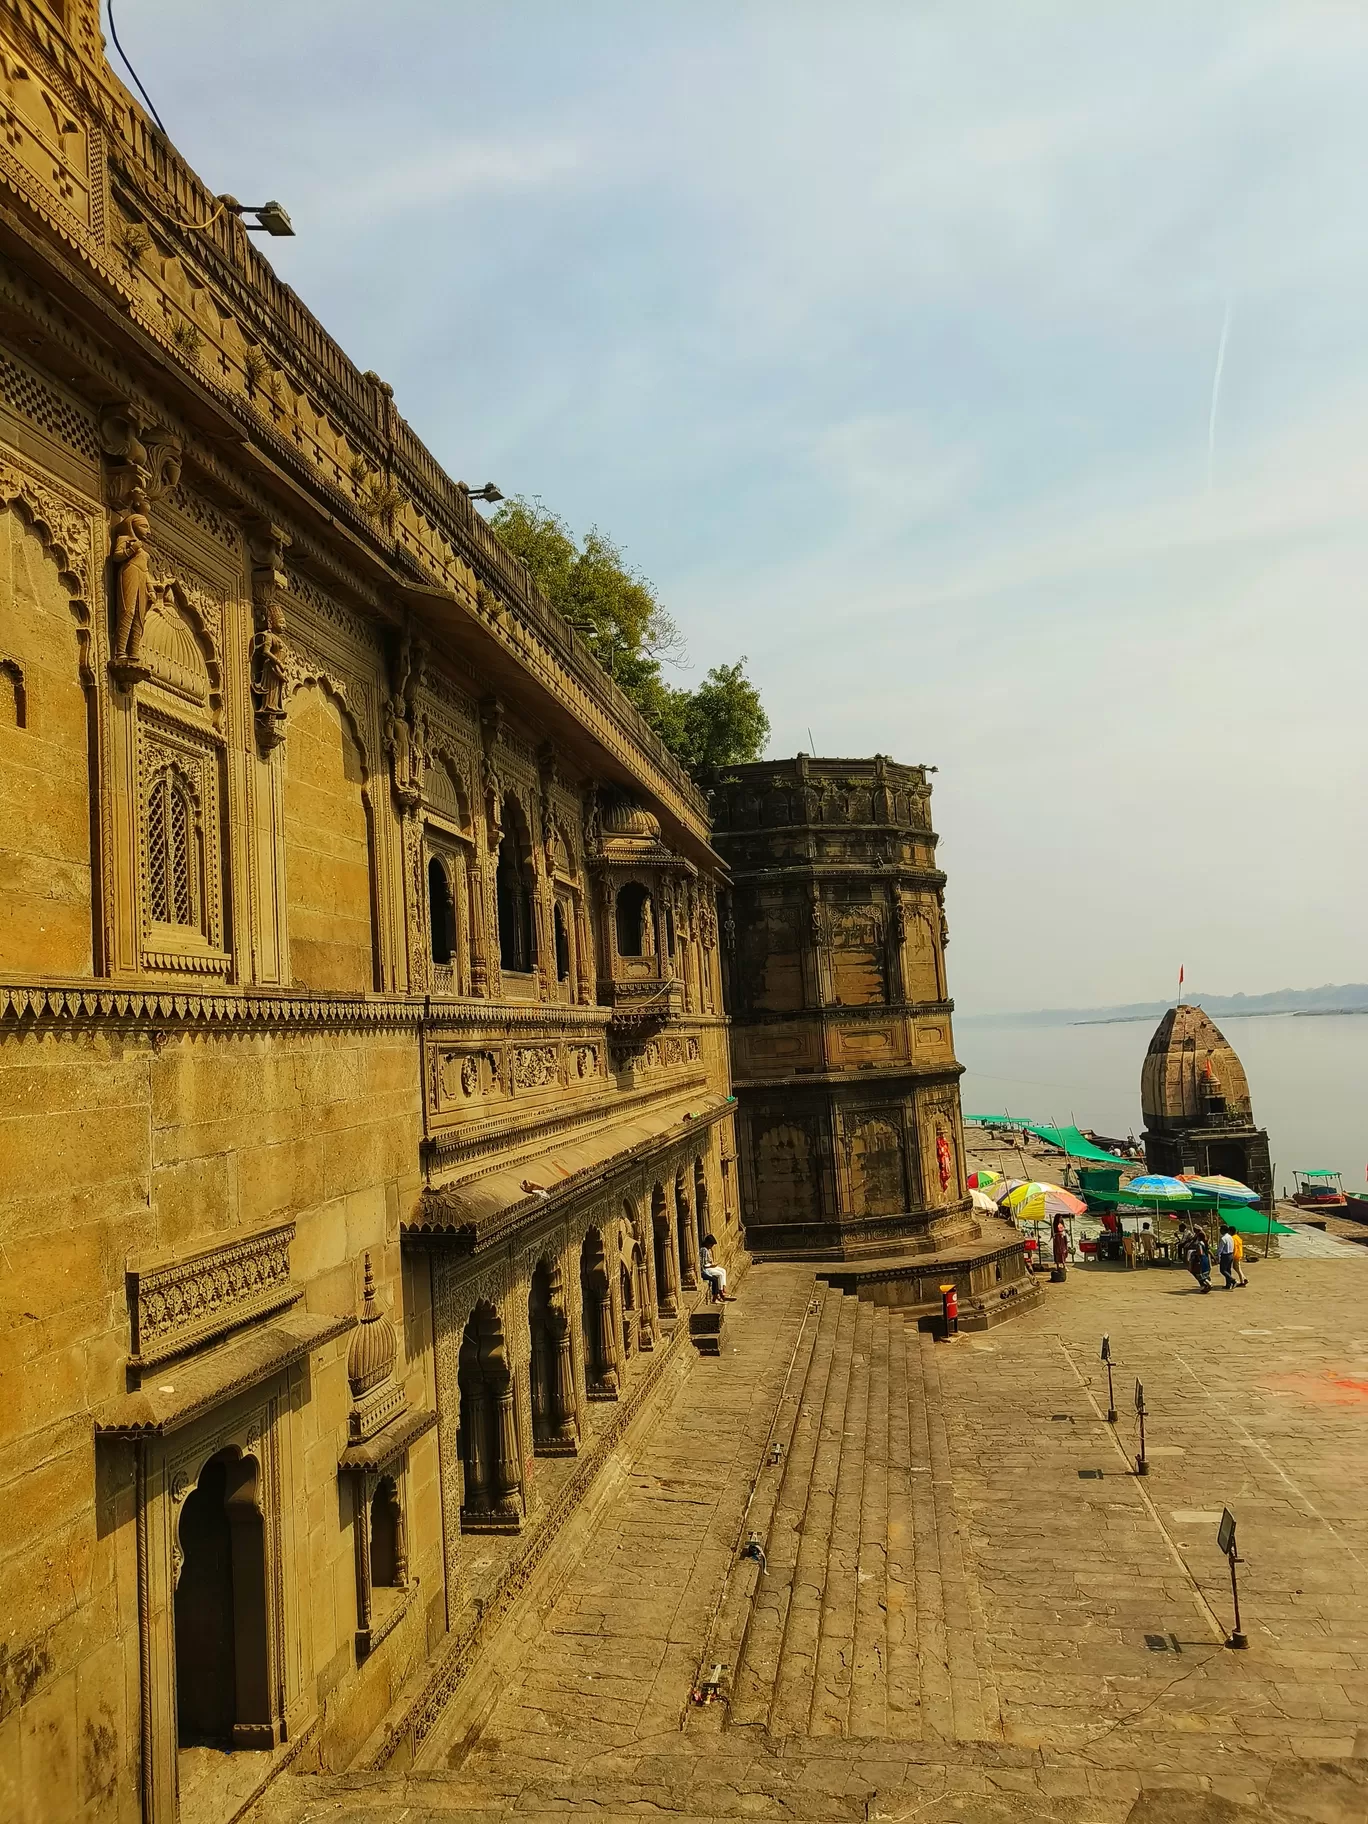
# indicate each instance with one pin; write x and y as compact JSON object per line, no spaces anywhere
{"x":179,"y":1305}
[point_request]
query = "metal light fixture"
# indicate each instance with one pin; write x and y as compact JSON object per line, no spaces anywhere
{"x":271,"y":218}
{"x":488,"y":492}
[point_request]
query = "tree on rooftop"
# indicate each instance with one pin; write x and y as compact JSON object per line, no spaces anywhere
{"x":720,"y":723}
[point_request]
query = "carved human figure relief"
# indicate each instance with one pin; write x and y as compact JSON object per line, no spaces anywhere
{"x":128,"y":550}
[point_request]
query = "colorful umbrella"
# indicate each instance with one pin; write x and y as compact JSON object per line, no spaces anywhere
{"x":1154,"y":1188}
{"x":1223,"y":1189}
{"x":1034,"y":1200}
{"x":979,"y":1181}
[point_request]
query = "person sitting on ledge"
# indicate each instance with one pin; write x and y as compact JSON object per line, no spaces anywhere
{"x":715,"y":1274}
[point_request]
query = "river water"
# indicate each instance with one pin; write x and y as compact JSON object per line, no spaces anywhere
{"x":1308,"y":1078}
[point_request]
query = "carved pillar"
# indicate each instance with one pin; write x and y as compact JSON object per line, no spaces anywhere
{"x":688,"y":1240}
{"x":476,"y":1453}
{"x":584,"y":944}
{"x":603,"y":1376}
{"x":507,"y":1472}
{"x":896,"y":947}
{"x":401,"y":1561}
{"x":645,"y":1303}
{"x":564,"y":1387}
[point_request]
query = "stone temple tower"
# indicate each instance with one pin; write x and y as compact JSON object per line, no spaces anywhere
{"x":849,"y":1136}
{"x":1195,"y":1099}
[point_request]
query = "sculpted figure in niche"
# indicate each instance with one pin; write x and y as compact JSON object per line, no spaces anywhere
{"x":270,"y":677}
{"x":128,"y":549}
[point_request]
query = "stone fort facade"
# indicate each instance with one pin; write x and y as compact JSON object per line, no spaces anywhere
{"x":364,"y":1083}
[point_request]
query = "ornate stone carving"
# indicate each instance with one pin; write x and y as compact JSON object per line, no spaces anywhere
{"x":143,"y":458}
{"x":266,"y":544}
{"x":180,"y":1305}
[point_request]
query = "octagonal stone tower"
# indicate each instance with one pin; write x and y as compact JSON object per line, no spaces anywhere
{"x":849,"y":1138}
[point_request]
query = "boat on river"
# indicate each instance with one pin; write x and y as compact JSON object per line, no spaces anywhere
{"x":1319,"y":1190}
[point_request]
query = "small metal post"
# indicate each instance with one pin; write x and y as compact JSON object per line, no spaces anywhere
{"x":1111,"y":1390}
{"x":1141,"y":1466}
{"x":1225,"y":1540}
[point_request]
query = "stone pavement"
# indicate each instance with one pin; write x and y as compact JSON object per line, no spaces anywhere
{"x":970,"y":1608}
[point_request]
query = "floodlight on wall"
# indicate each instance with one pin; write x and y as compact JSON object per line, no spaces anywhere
{"x":271,"y":218}
{"x":488,"y":492}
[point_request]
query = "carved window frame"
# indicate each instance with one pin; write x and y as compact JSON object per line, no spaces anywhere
{"x":180,"y":762}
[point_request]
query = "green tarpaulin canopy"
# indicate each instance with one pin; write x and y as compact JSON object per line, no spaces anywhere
{"x":1068,"y":1139}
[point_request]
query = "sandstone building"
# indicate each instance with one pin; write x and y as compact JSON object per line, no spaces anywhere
{"x":850,"y":1142}
{"x":363,"y":1076}
{"x":1195,"y":1099}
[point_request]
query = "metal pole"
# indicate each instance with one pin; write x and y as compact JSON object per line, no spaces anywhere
{"x":1237,"y":1638}
{"x":1268,"y":1233}
{"x":1111,"y":1395}
{"x":1141,"y":1466}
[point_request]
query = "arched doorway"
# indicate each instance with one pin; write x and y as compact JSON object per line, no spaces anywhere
{"x":688,"y":1239}
{"x":554,"y":1431}
{"x":492,"y":1492}
{"x":666,"y":1255}
{"x":600,"y":1357}
{"x":222,"y":1675}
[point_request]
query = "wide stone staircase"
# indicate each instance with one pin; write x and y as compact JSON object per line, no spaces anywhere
{"x":858,"y":1620}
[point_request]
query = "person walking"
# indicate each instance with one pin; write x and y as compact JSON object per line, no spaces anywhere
{"x":1197,"y":1260}
{"x":1237,"y":1256}
{"x":1225,"y":1256}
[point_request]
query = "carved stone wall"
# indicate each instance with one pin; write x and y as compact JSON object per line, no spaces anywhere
{"x":249,"y":638}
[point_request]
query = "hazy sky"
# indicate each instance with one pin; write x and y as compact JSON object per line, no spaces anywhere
{"x":883,"y":339}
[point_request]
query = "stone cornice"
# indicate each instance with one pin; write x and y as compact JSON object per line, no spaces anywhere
{"x":154,"y":1007}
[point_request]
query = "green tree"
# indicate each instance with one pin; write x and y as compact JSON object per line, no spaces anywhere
{"x":720,"y":723}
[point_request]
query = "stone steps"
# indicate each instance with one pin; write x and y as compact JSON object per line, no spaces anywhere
{"x":815,"y":1656}
{"x":865,"y":1621}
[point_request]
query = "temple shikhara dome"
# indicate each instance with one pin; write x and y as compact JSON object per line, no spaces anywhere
{"x":1194,"y":1095}
{"x":1191,"y":1073}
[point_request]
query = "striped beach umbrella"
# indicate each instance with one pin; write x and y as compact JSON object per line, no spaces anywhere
{"x":1217,"y":1185}
{"x":980,"y":1181}
{"x":1035,"y":1201}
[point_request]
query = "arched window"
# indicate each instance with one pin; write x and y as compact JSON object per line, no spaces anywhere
{"x":562,"y":946}
{"x":513,"y":888}
{"x":635,"y":936}
{"x":175,"y":868}
{"x":441,"y":912}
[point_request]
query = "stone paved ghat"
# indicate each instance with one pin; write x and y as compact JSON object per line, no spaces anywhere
{"x":970,"y":1608}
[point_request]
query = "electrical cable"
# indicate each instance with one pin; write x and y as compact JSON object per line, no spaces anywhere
{"x":137,"y":80}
